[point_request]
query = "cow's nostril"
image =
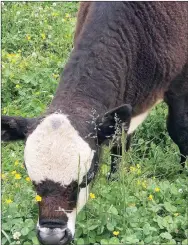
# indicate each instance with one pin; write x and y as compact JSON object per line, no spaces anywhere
{"x":49,"y":223}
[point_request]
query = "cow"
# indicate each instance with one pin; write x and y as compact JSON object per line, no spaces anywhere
{"x":127,"y":57}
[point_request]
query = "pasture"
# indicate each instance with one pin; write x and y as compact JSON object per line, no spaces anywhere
{"x":147,"y":201}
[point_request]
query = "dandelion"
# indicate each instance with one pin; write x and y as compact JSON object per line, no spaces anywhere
{"x":92,"y":196}
{"x":17,"y":176}
{"x":16,"y":162}
{"x":13,"y":172}
{"x":157,"y":189}
{"x":16,"y":235}
{"x":43,"y":35}
{"x":150,"y":198}
{"x":27,"y":179}
{"x":115,"y":233}
{"x":38,"y":198}
{"x":8,"y":201}
{"x":28,"y":37}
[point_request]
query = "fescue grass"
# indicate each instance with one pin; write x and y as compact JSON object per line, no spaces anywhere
{"x":145,"y":204}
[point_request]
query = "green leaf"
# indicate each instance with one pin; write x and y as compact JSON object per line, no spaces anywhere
{"x":169,"y":207}
{"x":113,"y":210}
{"x":80,"y":241}
{"x":3,"y":240}
{"x":166,"y":235}
{"x":35,"y":240}
{"x":92,"y":227}
{"x":131,"y":239}
{"x":103,"y":242}
{"x":25,"y":231}
{"x":146,"y":229}
{"x":185,"y":242}
{"x":110,"y":226}
{"x":148,"y":239}
{"x":114,"y":240}
{"x":29,"y":223}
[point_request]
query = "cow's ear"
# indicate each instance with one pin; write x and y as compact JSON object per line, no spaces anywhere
{"x":15,"y":128}
{"x":107,"y":124}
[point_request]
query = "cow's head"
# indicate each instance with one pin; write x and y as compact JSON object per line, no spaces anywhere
{"x":60,"y":164}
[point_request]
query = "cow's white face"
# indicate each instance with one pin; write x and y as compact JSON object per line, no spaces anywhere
{"x":57,"y":159}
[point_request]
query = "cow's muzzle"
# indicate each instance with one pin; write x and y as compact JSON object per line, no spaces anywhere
{"x":53,"y":234}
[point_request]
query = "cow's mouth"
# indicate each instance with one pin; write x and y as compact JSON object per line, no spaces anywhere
{"x":51,"y":238}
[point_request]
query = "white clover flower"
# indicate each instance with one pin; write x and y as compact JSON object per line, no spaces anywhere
{"x":34,"y":54}
{"x":18,"y":13}
{"x":54,"y":4}
{"x":180,"y":191}
{"x":16,"y":235}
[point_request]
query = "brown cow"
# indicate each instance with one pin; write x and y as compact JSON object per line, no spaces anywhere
{"x":127,"y":57}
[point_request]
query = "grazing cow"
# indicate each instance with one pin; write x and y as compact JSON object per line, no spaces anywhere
{"x":127,"y":57}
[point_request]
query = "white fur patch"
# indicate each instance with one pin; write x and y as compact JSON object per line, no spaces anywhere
{"x":71,"y":221}
{"x":56,"y":151}
{"x":136,"y":121}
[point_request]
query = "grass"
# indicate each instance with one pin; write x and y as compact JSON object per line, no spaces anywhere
{"x":146,"y":205}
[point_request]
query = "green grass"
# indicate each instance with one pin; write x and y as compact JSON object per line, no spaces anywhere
{"x":36,"y":43}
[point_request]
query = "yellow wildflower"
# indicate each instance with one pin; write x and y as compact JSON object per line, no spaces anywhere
{"x":132,"y":205}
{"x":4,"y":110}
{"x":43,"y":35}
{"x":138,"y":165}
{"x":17,"y":86}
{"x":27,"y":179}
{"x":55,"y":75}
{"x":138,"y":182}
{"x":13,"y":172}
{"x":54,"y":14}
{"x":138,"y":171}
{"x":8,"y":201}
{"x":144,"y":184}
{"x":176,"y":214}
{"x":67,"y":15}
{"x":11,"y":55}
{"x":3,"y":176}
{"x":16,"y":162}
{"x":28,"y":37}
{"x":92,"y":196}
{"x":150,"y":198}
{"x":157,"y":189}
{"x":132,"y":169}
{"x":17,"y":176}
{"x":38,"y":198}
{"x":115,"y":233}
